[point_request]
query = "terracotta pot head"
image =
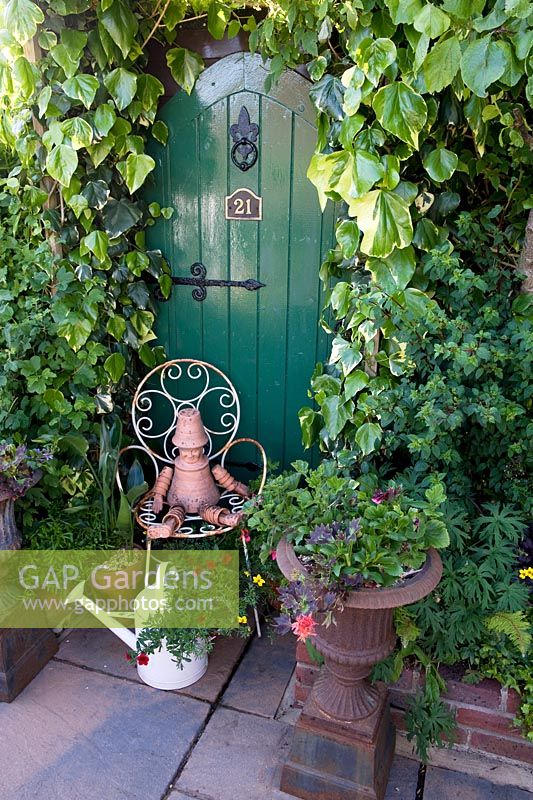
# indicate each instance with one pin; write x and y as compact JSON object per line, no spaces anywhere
{"x":190,"y":432}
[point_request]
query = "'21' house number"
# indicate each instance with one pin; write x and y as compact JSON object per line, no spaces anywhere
{"x":244,"y":204}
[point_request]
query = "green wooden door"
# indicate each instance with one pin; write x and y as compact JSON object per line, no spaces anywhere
{"x":267,"y":341}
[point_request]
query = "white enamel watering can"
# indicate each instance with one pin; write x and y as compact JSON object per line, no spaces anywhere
{"x":161,"y":671}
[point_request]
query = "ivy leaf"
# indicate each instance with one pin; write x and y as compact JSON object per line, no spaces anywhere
{"x":121,"y":24}
{"x":427,"y":235}
{"x":368,"y":437}
{"x":104,"y":119}
{"x":78,"y":131}
{"x":431,"y":21}
{"x":119,"y":216}
{"x":65,"y":59}
{"x":482,"y":63}
{"x":54,"y":399}
{"x":440,"y":164}
{"x":149,"y":90}
{"x":310,"y":425}
{"x":26,"y":76}
{"x":96,"y":194}
{"x":142,"y":322}
{"x":135,"y":169}
{"x":403,"y":10}
{"x":385,"y":221}
{"x":76,"y":330}
{"x":139,"y":293}
{"x":336,"y":414}
{"x":441,"y":64}
{"x":218,"y":16}
{"x":416,"y":302}
{"x":82,"y":87}
{"x":78,"y":203}
{"x":348,"y":237}
{"x":122,"y":86}
{"x":43,"y":100}
{"x":374,"y":56}
{"x":185,"y":67}
{"x":350,"y":126}
{"x":346,"y":353}
{"x":116,"y":326}
{"x":160,"y":131}
{"x":367,"y":169}
{"x":21,"y":19}
{"x":401,"y":111}
{"x":395,"y":271}
{"x":355,"y":381}
{"x":96,"y":242}
{"x":61,"y":163}
{"x":320,"y":171}
{"x":115,"y":365}
{"x":327,"y":96}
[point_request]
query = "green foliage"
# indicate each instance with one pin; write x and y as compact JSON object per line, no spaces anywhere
{"x":347,"y":529}
{"x":428,"y":720}
{"x":60,"y":530}
{"x":284,"y":508}
{"x":422,"y":135}
{"x":116,"y":503}
{"x":500,"y":658}
{"x":514,"y":625}
{"x":182,"y":643}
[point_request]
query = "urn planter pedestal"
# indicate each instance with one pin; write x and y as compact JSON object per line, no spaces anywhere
{"x":344,"y":742}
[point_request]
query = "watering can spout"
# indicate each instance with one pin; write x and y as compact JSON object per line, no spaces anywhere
{"x":77,"y":596}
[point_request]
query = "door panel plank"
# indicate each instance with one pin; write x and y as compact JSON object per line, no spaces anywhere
{"x":243,"y":251}
{"x":213,"y":231}
{"x":304,"y":261}
{"x":274,"y":243}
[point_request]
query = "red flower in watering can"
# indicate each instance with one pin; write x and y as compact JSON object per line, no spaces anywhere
{"x":142,"y":660}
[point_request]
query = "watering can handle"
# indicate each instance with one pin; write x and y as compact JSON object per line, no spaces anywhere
{"x":159,"y":578}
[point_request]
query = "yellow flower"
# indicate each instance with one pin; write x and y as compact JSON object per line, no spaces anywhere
{"x":526,"y":573}
{"x":246,"y":573}
{"x":242,"y":620}
{"x":259,"y":580}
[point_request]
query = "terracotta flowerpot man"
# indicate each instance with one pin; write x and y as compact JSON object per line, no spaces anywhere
{"x":190,"y":487}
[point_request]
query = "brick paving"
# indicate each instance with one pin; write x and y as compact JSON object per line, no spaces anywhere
{"x":86,"y":727}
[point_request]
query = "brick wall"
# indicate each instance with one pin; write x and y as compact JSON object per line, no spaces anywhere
{"x":484,"y":712}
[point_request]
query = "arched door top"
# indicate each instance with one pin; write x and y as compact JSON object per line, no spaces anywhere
{"x":242,"y":72}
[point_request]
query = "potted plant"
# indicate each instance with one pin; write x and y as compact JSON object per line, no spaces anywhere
{"x":19,"y":471}
{"x":171,"y":658}
{"x":352,"y":552}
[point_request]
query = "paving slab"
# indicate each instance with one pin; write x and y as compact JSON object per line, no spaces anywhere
{"x":74,"y":734}
{"x":260,"y":682}
{"x":442,"y":784}
{"x":240,"y":756}
{"x":403,"y":780}
{"x":101,"y":650}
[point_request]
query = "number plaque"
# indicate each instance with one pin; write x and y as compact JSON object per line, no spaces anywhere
{"x":244,"y":204}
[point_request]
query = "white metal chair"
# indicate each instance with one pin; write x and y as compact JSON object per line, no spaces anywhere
{"x":160,"y":396}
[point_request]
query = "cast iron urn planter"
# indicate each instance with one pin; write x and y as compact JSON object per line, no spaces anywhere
{"x":344,"y":741}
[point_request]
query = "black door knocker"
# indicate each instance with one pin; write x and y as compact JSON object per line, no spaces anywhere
{"x":244,"y":133}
